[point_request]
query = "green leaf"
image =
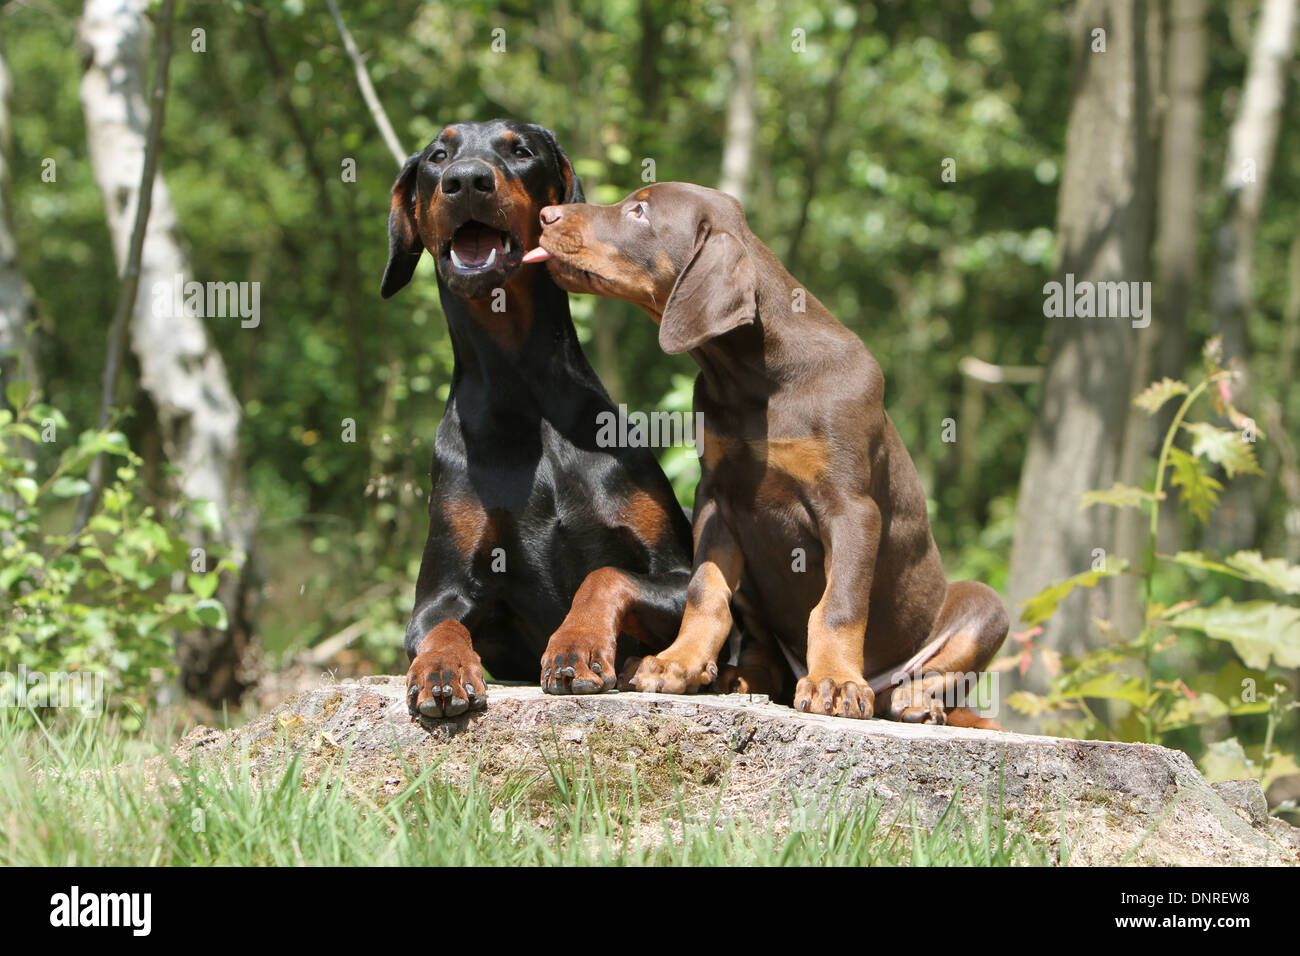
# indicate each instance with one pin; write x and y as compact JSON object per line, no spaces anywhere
{"x":210,"y":613}
{"x":17,"y":393}
{"x":1043,"y":604}
{"x":1112,"y":686}
{"x":1255,"y":629}
{"x":1119,"y":496}
{"x":1157,"y":393}
{"x":1194,"y":711}
{"x":69,"y":487}
{"x":1227,"y":760}
{"x":204,"y":585}
{"x":27,"y":488}
{"x":1223,"y":446}
{"x":1274,"y":572}
{"x":1026,"y":702}
{"x":1200,"y":492}
{"x":207,"y":514}
{"x":1250,"y":565}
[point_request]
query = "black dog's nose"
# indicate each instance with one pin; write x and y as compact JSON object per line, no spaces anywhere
{"x":473,"y":173}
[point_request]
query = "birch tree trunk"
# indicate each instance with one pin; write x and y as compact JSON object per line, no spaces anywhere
{"x":742,"y":112}
{"x":180,"y":369}
{"x":1104,"y":225}
{"x":17,"y":310}
{"x":1246,"y":171}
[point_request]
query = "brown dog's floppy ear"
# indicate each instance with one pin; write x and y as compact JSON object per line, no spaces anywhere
{"x":404,"y":243}
{"x":715,"y":293}
{"x":572,"y":185}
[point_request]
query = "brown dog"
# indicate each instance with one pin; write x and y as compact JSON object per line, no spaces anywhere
{"x":809,"y":517}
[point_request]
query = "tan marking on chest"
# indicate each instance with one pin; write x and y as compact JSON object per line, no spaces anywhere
{"x":645,"y":516}
{"x":472,"y":528}
{"x":804,"y":459}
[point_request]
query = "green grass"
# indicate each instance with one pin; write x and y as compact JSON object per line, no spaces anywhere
{"x":85,"y":793}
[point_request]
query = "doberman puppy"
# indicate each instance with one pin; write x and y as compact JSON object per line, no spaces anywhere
{"x":809,"y":512}
{"x":543,"y":546}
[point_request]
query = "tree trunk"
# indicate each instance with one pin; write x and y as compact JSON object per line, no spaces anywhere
{"x":1246,"y":171}
{"x":1177,"y":225}
{"x":180,"y":369}
{"x":742,"y":111}
{"x":17,"y":309}
{"x":1104,"y":227}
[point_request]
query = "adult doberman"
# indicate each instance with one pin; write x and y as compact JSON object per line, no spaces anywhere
{"x":543,"y":546}
{"x":809,"y":507}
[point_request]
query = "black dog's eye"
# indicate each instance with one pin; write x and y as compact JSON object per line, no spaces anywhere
{"x":523,"y":152}
{"x":438,"y":155}
{"x":638,"y":211}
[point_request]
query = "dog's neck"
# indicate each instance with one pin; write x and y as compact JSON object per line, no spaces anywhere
{"x":519,"y":362}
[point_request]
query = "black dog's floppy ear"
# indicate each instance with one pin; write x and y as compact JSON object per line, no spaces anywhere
{"x":572,"y":185}
{"x":404,"y":243}
{"x":715,"y":293}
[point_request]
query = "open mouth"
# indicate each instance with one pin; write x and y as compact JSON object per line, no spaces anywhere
{"x":477,"y":247}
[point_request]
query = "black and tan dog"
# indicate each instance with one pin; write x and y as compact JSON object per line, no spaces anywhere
{"x":802,"y":469}
{"x":543,"y":546}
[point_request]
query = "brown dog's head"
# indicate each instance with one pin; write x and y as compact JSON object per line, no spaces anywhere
{"x":675,"y":249}
{"x":472,"y":197}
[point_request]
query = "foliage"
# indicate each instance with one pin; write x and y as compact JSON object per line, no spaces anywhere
{"x":1264,"y":633}
{"x":928,"y":272}
{"x":107,"y":601}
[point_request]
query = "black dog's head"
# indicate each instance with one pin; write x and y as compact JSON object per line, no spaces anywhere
{"x":472,"y":197}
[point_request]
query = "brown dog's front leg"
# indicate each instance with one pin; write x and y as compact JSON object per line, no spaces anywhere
{"x":691,"y":662}
{"x":837,"y":626}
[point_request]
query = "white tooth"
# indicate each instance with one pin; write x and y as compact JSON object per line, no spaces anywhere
{"x":455,"y":260}
{"x":492,"y":257}
{"x":505,"y":246}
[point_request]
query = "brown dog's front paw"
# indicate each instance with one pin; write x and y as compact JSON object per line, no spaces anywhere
{"x":660,"y":674}
{"x":578,"y":663}
{"x":915,"y":703}
{"x":446,"y":677}
{"x":834,"y":697}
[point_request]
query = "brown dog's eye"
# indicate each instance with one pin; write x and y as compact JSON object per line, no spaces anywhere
{"x":638,"y":211}
{"x":522,"y":152}
{"x":438,"y":155}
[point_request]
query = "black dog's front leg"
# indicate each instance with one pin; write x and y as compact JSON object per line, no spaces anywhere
{"x":579,"y":658}
{"x":445,"y":678}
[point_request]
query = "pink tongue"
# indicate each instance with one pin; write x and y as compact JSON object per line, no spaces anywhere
{"x":536,"y":255}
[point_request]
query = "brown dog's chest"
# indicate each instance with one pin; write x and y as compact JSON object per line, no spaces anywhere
{"x":767,"y":491}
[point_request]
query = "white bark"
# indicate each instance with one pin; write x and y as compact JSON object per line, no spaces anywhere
{"x":180,"y":369}
{"x":1246,"y":171}
{"x":17,"y":311}
{"x":742,"y":112}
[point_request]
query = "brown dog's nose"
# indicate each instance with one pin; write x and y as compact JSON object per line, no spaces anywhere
{"x":551,"y":214}
{"x":470,"y":172}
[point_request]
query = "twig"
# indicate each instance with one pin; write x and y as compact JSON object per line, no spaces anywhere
{"x":367,"y":88}
{"x":131,"y":270}
{"x":982,"y":371}
{"x":818,"y":152}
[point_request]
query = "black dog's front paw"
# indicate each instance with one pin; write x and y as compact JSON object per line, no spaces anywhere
{"x":578,"y":663}
{"x":446,"y":677}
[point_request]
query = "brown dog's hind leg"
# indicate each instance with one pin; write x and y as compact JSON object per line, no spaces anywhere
{"x":759,"y":668}
{"x":975,"y":624}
